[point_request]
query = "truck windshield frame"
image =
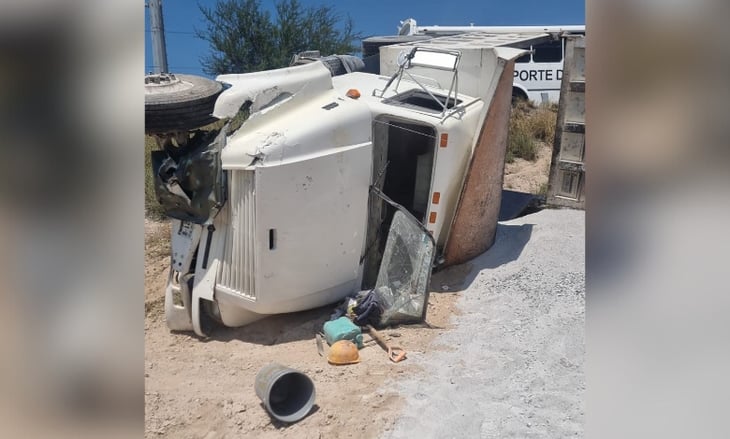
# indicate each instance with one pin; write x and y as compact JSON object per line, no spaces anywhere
{"x":420,"y":100}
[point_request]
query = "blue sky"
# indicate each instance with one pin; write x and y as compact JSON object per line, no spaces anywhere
{"x":371,"y":17}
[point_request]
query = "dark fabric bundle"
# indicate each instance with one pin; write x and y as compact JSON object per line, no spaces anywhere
{"x":368,"y":310}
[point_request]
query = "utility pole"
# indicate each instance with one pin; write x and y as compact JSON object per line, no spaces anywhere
{"x":159,"y":50}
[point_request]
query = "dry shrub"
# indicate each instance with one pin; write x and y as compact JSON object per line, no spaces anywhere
{"x":542,"y":124}
{"x":528,"y":125}
{"x":521,"y":143}
{"x":151,"y":205}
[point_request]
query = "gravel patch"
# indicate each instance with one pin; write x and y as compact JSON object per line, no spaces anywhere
{"x":513,"y":366}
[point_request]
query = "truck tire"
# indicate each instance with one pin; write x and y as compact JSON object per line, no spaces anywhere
{"x":175,"y":102}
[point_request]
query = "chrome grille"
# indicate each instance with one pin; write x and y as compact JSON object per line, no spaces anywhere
{"x":238,"y":265}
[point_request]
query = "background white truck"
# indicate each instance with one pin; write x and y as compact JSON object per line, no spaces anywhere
{"x":537,"y":74}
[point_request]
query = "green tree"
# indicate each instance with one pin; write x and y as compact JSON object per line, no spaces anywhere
{"x":244,"y":37}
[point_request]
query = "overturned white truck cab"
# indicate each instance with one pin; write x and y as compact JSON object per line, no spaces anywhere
{"x":292,"y":208}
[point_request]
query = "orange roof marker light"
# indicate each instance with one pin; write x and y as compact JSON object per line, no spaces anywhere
{"x":444,"y":140}
{"x":432,"y":218}
{"x":353,"y":93}
{"x":436,"y":197}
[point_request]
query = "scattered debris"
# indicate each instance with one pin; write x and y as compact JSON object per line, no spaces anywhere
{"x":287,"y":394}
{"x":343,"y":352}
{"x":320,"y":347}
{"x":342,"y":329}
{"x":368,"y":309}
{"x":395,"y":353}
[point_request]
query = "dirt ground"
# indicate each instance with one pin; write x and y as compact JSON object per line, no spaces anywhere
{"x":524,"y":176}
{"x":204,"y":388}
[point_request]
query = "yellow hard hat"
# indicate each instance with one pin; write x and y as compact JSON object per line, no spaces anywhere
{"x":343,"y":352}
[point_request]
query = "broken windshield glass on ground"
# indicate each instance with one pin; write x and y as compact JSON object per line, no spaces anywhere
{"x":400,"y":295}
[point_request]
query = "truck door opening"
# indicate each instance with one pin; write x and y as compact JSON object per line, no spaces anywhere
{"x":409,"y":151}
{"x":403,"y":158}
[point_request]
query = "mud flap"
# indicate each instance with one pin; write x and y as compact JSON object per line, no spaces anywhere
{"x":183,"y":242}
{"x":197,"y":327}
{"x":210,"y":252}
{"x":204,"y":287}
{"x":178,"y":302}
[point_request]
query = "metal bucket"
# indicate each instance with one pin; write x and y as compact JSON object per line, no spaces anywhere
{"x":287,"y":393}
